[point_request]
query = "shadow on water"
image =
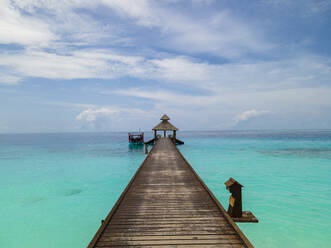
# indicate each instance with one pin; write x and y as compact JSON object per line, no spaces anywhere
{"x":133,"y":146}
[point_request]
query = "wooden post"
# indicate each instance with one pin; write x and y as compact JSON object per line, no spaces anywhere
{"x":235,"y":203}
{"x":155,"y":138}
{"x":174,"y":136}
{"x":146,"y":148}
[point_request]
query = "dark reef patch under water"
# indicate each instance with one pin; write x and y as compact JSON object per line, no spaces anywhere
{"x":32,"y":200}
{"x":301,"y":152}
{"x":72,"y":192}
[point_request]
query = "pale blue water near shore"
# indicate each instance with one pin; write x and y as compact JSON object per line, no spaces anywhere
{"x":56,"y":188}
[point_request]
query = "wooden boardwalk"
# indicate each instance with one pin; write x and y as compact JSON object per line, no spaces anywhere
{"x":166,"y":204}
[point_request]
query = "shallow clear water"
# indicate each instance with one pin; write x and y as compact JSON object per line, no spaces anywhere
{"x":56,"y":188}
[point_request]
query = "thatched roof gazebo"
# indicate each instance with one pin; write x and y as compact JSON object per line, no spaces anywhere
{"x":165,"y":126}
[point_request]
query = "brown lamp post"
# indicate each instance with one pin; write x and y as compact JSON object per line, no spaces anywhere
{"x":235,"y":203}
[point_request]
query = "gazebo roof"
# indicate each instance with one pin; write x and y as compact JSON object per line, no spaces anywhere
{"x":231,"y":182}
{"x":165,"y":125}
{"x":165,"y":118}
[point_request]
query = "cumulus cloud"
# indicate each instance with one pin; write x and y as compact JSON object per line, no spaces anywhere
{"x":113,"y":118}
{"x":91,"y":114}
{"x":248,"y":114}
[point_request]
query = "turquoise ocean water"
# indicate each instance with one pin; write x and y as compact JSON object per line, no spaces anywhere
{"x":56,"y":188}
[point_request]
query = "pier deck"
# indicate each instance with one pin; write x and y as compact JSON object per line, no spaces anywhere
{"x":166,"y":204}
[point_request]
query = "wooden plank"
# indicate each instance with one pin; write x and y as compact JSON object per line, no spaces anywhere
{"x":167,"y":217}
{"x":167,"y":229}
{"x":167,"y":225}
{"x":228,"y":218}
{"x":104,"y":223}
{"x":168,"y":234}
{"x":169,"y":212}
{"x":169,"y":242}
{"x":165,"y":221}
{"x":179,"y":246}
{"x":161,"y":237}
{"x":166,"y":204}
{"x":170,"y":207}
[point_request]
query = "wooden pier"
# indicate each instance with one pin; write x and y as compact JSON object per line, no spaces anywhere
{"x":166,"y":204}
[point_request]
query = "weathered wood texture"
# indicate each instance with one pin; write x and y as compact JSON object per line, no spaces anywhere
{"x":166,"y":204}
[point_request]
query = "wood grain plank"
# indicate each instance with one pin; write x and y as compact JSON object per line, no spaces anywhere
{"x":166,"y":205}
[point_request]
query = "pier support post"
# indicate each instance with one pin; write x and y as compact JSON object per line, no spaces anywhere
{"x":146,"y":148}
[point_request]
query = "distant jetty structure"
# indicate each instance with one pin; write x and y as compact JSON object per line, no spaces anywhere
{"x":166,"y":204}
{"x":165,"y":126}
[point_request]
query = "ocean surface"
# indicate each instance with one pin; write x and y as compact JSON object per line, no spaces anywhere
{"x":56,"y":188}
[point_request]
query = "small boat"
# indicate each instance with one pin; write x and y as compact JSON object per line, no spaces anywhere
{"x":136,"y":138}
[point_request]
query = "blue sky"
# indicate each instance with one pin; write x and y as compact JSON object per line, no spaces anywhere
{"x":118,"y":65}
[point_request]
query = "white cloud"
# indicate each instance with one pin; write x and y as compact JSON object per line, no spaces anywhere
{"x":223,"y":34}
{"x":20,"y":29}
{"x":181,"y":69}
{"x":58,"y":39}
{"x":248,"y":114}
{"x":241,"y":77}
{"x":71,"y":105}
{"x":9,"y":79}
{"x":141,"y":10}
{"x":215,"y":78}
{"x":93,"y":113}
{"x":108,"y":56}
{"x":55,"y":24}
{"x":104,"y":118}
{"x":74,"y":65}
{"x":295,"y":101}
{"x":169,"y":97}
